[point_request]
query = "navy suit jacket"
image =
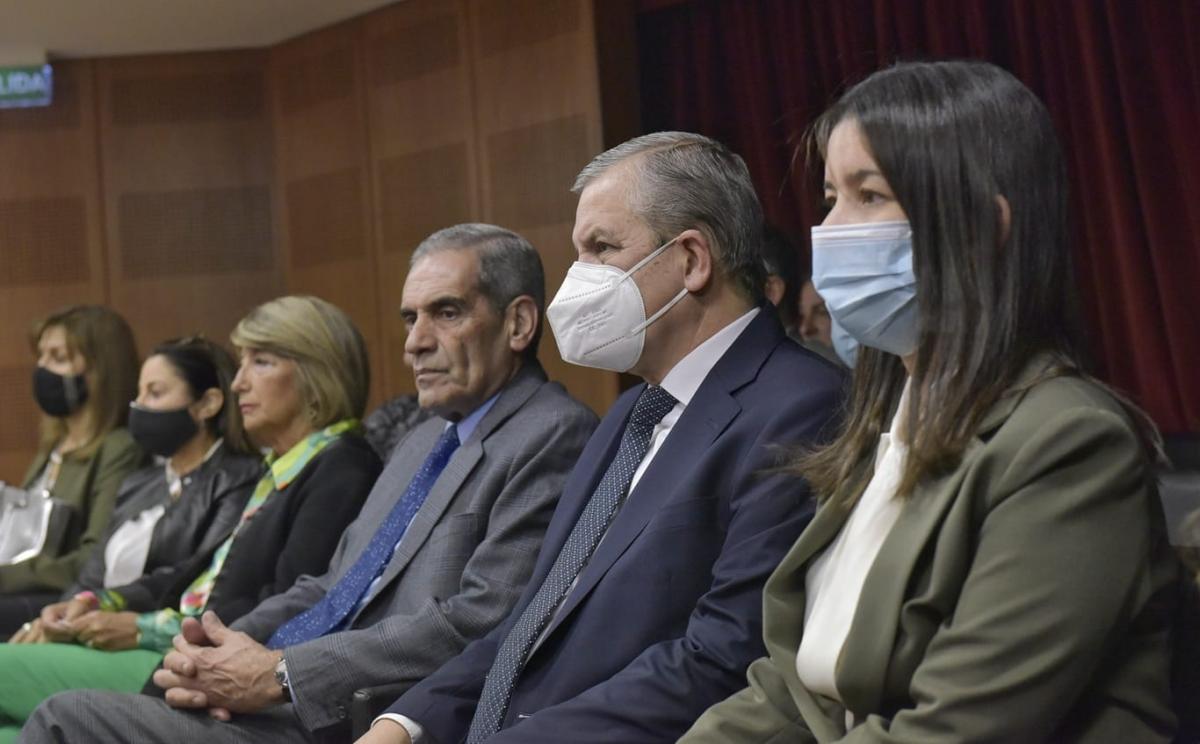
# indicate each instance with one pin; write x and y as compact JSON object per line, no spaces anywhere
{"x":667,"y":615}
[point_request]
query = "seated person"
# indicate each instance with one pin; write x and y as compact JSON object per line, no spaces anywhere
{"x":441,"y":550}
{"x":300,"y":388}
{"x":989,"y":561}
{"x":186,"y":415}
{"x":645,"y":603}
{"x":86,"y":375}
{"x":390,"y":423}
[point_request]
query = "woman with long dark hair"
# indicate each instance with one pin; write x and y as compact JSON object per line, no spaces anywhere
{"x":988,"y":561}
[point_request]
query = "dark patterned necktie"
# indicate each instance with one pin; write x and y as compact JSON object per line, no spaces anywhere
{"x":651,"y":406}
{"x":344,"y":596}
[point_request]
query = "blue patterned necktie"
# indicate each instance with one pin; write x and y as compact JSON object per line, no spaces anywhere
{"x":651,"y":406}
{"x":344,"y":596}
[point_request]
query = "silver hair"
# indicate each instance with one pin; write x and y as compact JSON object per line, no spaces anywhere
{"x":509,"y":266}
{"x":684,"y":181}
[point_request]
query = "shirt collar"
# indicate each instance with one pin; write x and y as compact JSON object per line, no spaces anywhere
{"x":284,"y":468}
{"x":466,"y":427}
{"x":688,"y":373}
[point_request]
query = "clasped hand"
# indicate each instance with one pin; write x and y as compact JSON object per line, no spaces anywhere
{"x":222,"y":670}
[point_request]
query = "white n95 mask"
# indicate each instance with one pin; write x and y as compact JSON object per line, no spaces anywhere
{"x":864,"y":272}
{"x":598,"y":316}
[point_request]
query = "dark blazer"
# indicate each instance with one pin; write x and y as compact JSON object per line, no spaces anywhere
{"x":463,"y":561}
{"x":295,"y":532}
{"x":1024,"y":597}
{"x":666,"y":616}
{"x":87,"y":481}
{"x":207,"y":510}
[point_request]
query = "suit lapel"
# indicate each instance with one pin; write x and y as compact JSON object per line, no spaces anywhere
{"x":710,"y":411}
{"x":461,"y":464}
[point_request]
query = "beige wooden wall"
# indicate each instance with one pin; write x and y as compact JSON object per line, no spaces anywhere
{"x":184,"y":189}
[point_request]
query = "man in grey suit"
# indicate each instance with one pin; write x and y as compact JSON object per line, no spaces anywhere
{"x":439,"y":554}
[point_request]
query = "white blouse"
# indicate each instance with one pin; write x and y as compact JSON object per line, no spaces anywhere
{"x":835,"y":579}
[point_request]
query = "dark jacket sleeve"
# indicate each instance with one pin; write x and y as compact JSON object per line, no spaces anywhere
{"x":142,"y":490}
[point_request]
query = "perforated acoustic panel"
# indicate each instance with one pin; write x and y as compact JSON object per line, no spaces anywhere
{"x":316,"y":79}
{"x":44,"y":241}
{"x":408,"y":53}
{"x":554,"y":150}
{"x":421,"y":192}
{"x":516,"y":23}
{"x":20,"y":412}
{"x":62,"y":113}
{"x":194,"y":97}
{"x":195,"y":231}
{"x":325,"y":218}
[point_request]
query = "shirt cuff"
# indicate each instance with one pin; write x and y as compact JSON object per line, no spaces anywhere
{"x":414,"y":729}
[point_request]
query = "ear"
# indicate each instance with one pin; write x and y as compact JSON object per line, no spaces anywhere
{"x":209,"y":403}
{"x":774,"y":289}
{"x":520,"y":323}
{"x":1004,"y":215}
{"x":698,"y":270}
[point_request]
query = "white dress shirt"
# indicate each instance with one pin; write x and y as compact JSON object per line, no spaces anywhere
{"x":834,"y":583}
{"x":681,"y":382}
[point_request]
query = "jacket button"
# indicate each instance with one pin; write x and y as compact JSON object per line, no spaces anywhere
{"x":341,"y":712}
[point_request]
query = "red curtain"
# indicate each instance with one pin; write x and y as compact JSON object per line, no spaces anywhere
{"x":1120,"y":77}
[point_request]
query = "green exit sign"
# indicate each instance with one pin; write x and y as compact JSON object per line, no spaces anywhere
{"x":21,"y":87}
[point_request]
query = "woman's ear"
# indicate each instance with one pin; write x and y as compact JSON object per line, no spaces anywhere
{"x":209,"y":404}
{"x":1004,"y":216}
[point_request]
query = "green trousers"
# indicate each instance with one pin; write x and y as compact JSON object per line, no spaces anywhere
{"x":30,"y":673}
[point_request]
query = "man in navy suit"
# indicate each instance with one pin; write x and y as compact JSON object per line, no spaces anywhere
{"x":644,"y":607}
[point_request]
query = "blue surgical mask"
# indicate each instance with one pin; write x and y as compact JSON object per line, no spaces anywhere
{"x":844,"y":344}
{"x":864,"y":273}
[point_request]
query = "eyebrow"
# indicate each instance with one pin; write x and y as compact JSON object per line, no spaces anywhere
{"x":438,"y":302}
{"x":857,"y":177}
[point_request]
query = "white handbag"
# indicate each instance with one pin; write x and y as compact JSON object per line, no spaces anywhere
{"x":29,"y":522}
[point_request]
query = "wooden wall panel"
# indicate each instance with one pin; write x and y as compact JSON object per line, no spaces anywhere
{"x":537,"y":124}
{"x":424,"y":162}
{"x":186,"y":150}
{"x":183,"y":189}
{"x":322,"y":159}
{"x":51,"y":245}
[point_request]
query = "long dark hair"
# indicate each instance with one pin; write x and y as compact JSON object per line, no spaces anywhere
{"x":955,"y":141}
{"x":203,"y":364}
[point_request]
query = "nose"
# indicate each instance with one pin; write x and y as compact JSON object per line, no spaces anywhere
{"x":420,"y":338}
{"x":239,"y":381}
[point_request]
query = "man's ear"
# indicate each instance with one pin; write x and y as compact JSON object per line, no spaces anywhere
{"x":521,"y":322}
{"x":698,"y":270}
{"x":1004,"y":215}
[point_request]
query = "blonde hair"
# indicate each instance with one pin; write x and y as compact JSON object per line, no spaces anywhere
{"x":329,"y":352}
{"x":106,"y":343}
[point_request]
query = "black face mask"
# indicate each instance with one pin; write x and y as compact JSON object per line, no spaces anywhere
{"x":161,"y":432}
{"x":59,"y":395}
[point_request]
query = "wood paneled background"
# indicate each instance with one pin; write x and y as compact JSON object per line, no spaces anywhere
{"x":184,"y":189}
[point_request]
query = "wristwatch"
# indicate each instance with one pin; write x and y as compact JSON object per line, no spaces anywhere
{"x":281,"y":677}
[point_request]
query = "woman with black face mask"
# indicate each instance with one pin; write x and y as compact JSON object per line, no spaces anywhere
{"x":86,"y":374}
{"x":184,"y":414}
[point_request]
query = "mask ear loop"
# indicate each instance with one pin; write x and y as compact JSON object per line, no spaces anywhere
{"x":661,"y":312}
{"x":650,"y":257}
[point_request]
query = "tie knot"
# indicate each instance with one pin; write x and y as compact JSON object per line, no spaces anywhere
{"x":651,"y":406}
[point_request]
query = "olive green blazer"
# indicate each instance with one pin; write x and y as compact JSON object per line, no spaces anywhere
{"x":1023,"y":597}
{"x":88,"y":483}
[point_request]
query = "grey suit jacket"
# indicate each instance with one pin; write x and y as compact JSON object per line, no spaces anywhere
{"x":463,"y":561}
